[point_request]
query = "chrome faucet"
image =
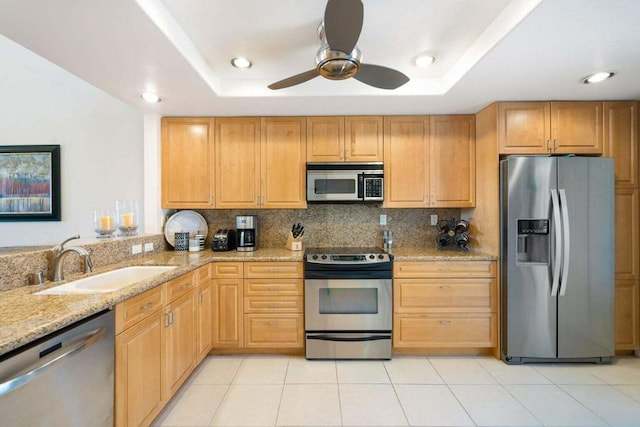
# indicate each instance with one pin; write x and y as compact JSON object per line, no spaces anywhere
{"x":59,"y":254}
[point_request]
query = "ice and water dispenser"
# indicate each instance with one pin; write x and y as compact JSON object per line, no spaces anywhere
{"x":533,"y":241}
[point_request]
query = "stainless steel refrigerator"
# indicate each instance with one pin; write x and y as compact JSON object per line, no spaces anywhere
{"x":557,"y":259}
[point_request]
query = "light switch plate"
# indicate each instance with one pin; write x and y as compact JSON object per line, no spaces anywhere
{"x":136,"y":249}
{"x":148,"y":247}
{"x":434,"y":219}
{"x":383,"y":219}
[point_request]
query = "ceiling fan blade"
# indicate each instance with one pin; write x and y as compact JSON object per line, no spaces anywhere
{"x":343,"y":23}
{"x":294,"y":80}
{"x":380,"y":77}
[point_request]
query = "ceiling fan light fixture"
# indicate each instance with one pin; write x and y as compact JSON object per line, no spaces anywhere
{"x":423,"y":60}
{"x":150,"y":97}
{"x":241,"y":62}
{"x":598,"y":77}
{"x":337,"y":65}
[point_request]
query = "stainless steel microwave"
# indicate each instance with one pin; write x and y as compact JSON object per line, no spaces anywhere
{"x":345,"y":182}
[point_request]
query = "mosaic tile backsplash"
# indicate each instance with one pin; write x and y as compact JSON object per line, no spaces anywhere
{"x":337,"y":225}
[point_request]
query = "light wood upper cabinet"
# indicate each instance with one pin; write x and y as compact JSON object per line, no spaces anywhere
{"x":406,"y":166}
{"x":187,"y":163}
{"x":452,"y":161}
{"x":429,"y":161}
{"x":621,"y":140}
{"x":283,"y":166}
{"x":350,"y":139}
{"x":524,"y":127}
{"x":550,"y":127}
{"x":325,"y":139}
{"x":237,"y":162}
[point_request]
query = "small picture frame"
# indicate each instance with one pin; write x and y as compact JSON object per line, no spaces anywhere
{"x":30,"y":183}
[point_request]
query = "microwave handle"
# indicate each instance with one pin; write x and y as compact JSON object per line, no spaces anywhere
{"x":361,"y":186}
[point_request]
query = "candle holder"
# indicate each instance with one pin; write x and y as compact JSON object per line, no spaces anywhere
{"x":127,"y":216}
{"x":104,"y":222}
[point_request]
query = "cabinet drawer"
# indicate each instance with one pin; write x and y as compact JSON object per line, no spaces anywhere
{"x":178,"y":287}
{"x":475,"y":330}
{"x":282,"y":330}
{"x":273,"y":286}
{"x":445,"y":269}
{"x":438,"y":295}
{"x":135,"y":309}
{"x":226,"y":270}
{"x":280,"y":304}
{"x":203,"y":274}
{"x":254,"y":270}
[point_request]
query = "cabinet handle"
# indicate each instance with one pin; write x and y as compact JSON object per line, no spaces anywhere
{"x":272,"y":288}
{"x":171,"y":317}
{"x":273,"y":323}
{"x":445,"y":288}
{"x":146,"y":306}
{"x":185,"y":285}
{"x":200,"y":298}
{"x":548,"y":145}
{"x":211,"y":200}
{"x":167,"y":318}
{"x":555,"y":144}
{"x":445,"y":322}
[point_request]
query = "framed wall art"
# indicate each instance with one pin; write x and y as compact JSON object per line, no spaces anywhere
{"x":30,"y":183}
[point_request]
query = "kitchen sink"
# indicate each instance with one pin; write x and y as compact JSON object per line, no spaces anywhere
{"x":110,"y":281}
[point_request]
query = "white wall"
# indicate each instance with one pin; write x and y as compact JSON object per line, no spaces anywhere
{"x":101,"y":139}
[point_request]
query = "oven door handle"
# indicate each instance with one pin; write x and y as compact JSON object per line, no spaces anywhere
{"x":347,"y":339}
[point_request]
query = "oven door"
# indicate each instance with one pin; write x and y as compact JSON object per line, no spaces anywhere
{"x":348,"y":305}
{"x":335,"y":186}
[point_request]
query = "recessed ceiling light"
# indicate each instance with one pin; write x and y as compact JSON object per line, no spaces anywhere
{"x":598,"y":77}
{"x":241,"y":62}
{"x":423,"y":60}
{"x":150,"y":97}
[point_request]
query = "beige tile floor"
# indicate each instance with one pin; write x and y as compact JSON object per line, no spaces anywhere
{"x":416,"y":391}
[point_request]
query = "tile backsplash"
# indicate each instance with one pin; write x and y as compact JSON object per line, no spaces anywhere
{"x":337,"y":225}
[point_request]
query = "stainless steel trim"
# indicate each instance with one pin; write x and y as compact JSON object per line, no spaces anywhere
{"x":348,"y":346}
{"x":566,"y":241}
{"x":558,"y":242}
{"x":40,"y":368}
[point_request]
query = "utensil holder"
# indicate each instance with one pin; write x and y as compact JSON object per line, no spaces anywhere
{"x":294,"y":243}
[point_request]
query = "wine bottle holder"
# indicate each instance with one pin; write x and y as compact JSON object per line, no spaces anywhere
{"x":453,"y":233}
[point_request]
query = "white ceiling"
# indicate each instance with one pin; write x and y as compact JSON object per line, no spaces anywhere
{"x":487,"y":50}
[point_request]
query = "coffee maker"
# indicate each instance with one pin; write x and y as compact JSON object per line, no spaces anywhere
{"x":247,"y":232}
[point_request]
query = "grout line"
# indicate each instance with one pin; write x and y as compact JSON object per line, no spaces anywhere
{"x":395,"y":392}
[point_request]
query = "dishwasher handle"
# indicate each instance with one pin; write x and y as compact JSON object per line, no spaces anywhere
{"x":37,"y":369}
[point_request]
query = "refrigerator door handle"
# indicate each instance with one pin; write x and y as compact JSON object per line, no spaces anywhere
{"x":566,"y":241}
{"x":555,"y":203}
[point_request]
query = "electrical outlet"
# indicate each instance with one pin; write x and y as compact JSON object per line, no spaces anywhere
{"x":434,"y":219}
{"x":383,"y":219}
{"x":148,"y":247}
{"x":136,"y":249}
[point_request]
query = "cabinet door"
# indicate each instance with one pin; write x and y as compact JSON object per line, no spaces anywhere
{"x":453,"y":161}
{"x":406,"y":165}
{"x":621,"y":141}
{"x":227,"y":313}
{"x":627,"y":306}
{"x":363,"y":139}
{"x":283,"y":167}
{"x":237,"y":162}
{"x":138,"y":372}
{"x":187,"y":159}
{"x":180,"y":342}
{"x":626,"y":232}
{"x":576,"y":127}
{"x":524,"y":127}
{"x":325,"y":139}
{"x":204,"y":320}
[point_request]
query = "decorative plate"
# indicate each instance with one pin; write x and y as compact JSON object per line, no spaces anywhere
{"x":189,"y":221}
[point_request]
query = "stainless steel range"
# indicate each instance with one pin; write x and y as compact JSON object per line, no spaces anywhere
{"x":348,"y":303}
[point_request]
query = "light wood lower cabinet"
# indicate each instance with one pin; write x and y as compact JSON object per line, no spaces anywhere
{"x":155,"y":349}
{"x":627,"y":305}
{"x":257,"y":305}
{"x":445,"y":304}
{"x":138,"y":367}
{"x":205,"y":322}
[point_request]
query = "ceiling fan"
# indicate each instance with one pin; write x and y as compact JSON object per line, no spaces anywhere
{"x":338,"y":57}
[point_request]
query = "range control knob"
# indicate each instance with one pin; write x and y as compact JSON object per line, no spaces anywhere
{"x":324,"y":257}
{"x":314,"y":257}
{"x":372,"y":256}
{"x":380,"y":256}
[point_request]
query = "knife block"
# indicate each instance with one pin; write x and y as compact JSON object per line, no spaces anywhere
{"x":294,"y":244}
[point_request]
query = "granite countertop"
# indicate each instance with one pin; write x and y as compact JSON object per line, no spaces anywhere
{"x":25,"y":317}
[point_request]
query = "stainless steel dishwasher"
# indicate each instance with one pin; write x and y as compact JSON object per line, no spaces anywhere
{"x":63,"y":379}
